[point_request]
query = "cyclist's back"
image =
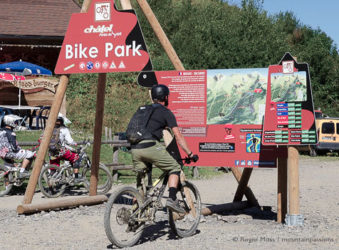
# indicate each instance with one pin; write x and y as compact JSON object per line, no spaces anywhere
{"x":151,"y":151}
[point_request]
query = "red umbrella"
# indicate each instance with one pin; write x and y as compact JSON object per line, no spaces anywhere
{"x":7,"y":77}
{"x":10,"y":77}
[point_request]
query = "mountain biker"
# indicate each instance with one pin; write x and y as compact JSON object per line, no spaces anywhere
{"x":9,"y":148}
{"x":153,"y":152}
{"x":64,"y":151}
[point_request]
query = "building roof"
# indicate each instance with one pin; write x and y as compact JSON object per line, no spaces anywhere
{"x":47,"y":18}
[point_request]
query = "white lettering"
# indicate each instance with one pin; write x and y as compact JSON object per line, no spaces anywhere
{"x":108,"y":48}
{"x":136,"y":49}
{"x":82,"y":51}
{"x":69,"y":53}
{"x":93,"y":52}
{"x":122,"y":51}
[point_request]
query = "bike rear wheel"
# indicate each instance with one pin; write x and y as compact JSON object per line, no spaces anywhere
{"x":119,"y":228}
{"x":105,"y":179}
{"x":52,"y":182}
{"x":185,"y":225}
{"x":5,"y":187}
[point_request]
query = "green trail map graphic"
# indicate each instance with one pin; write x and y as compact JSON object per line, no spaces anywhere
{"x":236,"y":96}
{"x":288,"y":87}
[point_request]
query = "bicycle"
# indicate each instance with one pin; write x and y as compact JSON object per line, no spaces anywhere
{"x":128,"y":211}
{"x":10,"y":176}
{"x":54,"y":180}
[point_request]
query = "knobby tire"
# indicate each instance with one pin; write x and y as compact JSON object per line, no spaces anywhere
{"x":119,"y":207}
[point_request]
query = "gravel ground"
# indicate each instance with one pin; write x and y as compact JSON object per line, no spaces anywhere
{"x":82,"y":228}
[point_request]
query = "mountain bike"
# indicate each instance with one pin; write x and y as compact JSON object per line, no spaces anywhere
{"x":128,"y":212}
{"x":10,"y":176}
{"x":54,"y":180}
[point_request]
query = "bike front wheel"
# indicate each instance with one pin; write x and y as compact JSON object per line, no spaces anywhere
{"x":52,"y":182}
{"x":185,"y":225}
{"x":5,"y":186}
{"x":121,"y":219}
{"x":105,"y":179}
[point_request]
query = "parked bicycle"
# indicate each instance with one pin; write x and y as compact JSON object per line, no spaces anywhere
{"x":54,"y":180}
{"x":128,"y":212}
{"x":10,"y":177}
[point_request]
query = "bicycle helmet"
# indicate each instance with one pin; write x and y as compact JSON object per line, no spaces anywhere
{"x":12,"y":120}
{"x":160,"y":93}
{"x":63,"y":120}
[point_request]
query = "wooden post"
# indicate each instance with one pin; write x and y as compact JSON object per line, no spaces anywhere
{"x":293,"y":217}
{"x":99,"y":115}
{"x":245,"y":177}
{"x":115,"y":160}
{"x":282,"y":190}
{"x":33,"y":180}
{"x":159,"y":32}
{"x":126,"y":4}
{"x":247,"y":191}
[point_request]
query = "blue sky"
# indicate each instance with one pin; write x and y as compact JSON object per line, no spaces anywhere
{"x":314,"y":13}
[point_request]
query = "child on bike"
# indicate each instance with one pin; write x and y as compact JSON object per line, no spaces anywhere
{"x":60,"y":147}
{"x":9,"y":148}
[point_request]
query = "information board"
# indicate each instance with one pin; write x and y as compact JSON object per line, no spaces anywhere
{"x":220,"y":113}
{"x":289,"y":114}
{"x":103,"y":40}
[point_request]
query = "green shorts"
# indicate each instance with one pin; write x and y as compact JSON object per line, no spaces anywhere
{"x":156,"y":155}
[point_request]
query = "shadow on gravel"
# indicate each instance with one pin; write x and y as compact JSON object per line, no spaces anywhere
{"x":154,"y":232}
{"x":257,"y":213}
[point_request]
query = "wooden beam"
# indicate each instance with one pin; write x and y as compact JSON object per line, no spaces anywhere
{"x":245,"y":177}
{"x":99,"y":117}
{"x":33,"y":180}
{"x":60,"y":204}
{"x":159,"y":32}
{"x":293,"y":180}
{"x":282,"y":190}
{"x":247,"y":191}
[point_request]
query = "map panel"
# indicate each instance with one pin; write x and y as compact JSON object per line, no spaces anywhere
{"x":289,"y":87}
{"x":236,"y":96}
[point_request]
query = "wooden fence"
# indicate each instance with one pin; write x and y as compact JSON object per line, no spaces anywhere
{"x":116,"y":144}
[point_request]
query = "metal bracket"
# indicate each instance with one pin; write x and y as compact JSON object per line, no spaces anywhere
{"x":294,"y":220}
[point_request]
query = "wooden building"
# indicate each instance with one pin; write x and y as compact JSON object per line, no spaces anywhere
{"x":33,"y":31}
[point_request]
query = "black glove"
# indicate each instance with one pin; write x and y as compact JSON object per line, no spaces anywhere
{"x":195,"y":158}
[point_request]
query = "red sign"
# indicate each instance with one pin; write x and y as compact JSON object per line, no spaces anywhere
{"x":220,"y":113}
{"x":103,"y":40}
{"x":289,"y":114}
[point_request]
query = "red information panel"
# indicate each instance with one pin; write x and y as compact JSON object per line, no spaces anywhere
{"x":220,"y":113}
{"x":103,"y":40}
{"x":289,"y":115}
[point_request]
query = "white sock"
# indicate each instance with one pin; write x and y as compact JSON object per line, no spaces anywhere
{"x":22,"y":170}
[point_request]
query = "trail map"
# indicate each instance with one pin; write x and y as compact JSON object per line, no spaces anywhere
{"x":236,"y":96}
{"x":289,"y":88}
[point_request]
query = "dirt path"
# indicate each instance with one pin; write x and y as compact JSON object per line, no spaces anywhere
{"x":82,"y":228}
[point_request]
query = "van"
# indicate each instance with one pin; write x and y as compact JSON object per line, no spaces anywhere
{"x":328,"y":136}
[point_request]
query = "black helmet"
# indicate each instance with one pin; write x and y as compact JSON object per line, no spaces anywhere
{"x":160,"y":92}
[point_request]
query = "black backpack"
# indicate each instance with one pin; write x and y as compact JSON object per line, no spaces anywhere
{"x":55,"y":144}
{"x":137,"y":127}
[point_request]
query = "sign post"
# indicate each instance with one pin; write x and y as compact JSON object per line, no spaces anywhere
{"x":289,"y":122}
